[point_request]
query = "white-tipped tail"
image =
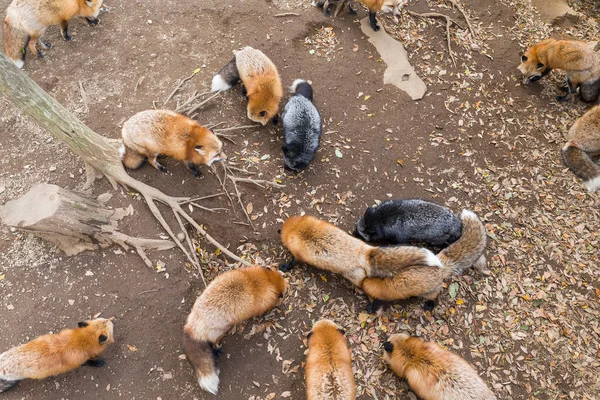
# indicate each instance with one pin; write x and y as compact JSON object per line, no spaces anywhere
{"x":219,"y":84}
{"x":593,"y":184}
{"x":295,"y":85}
{"x":19,"y":63}
{"x":210,"y":383}
{"x":468,"y":214}
{"x":432,"y":260}
{"x":122,"y":150}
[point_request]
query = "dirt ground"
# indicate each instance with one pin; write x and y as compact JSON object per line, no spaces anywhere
{"x":478,"y":140}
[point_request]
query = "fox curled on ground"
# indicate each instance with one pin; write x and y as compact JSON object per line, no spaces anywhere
{"x":229,"y":299}
{"x":582,"y":150}
{"x":27,"y":20}
{"x":329,"y":373}
{"x":55,"y":354}
{"x":432,"y":372}
{"x":325,"y":246}
{"x":154,"y":133}
{"x":261,"y":83}
{"x":579,"y":60}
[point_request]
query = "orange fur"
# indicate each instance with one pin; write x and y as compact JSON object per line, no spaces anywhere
{"x":55,"y":354}
{"x":379,"y":5}
{"x":27,"y":20}
{"x":262,"y":82}
{"x":329,"y":373}
{"x":325,"y":246}
{"x":229,"y":299}
{"x":432,"y":372}
{"x":151,"y":133}
{"x":578,"y":59}
{"x":426,"y":282}
{"x":582,"y":150}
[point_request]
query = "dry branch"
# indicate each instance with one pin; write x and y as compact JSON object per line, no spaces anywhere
{"x":465,"y":16}
{"x":287,"y":14}
{"x":97,"y":151}
{"x":449,"y":22}
{"x":179,"y":85}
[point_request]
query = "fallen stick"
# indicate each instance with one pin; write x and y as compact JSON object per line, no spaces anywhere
{"x":287,"y":14}
{"x":465,"y":16}
{"x":184,"y":80}
{"x":449,"y":22}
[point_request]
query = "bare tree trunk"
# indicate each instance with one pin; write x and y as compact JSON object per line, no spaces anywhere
{"x":97,"y":151}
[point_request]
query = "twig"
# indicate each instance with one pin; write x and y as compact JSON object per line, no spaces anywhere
{"x":449,"y":22}
{"x":84,"y":97}
{"x":235,"y":128}
{"x":226,"y":137}
{"x":210,"y":196}
{"x":212,"y":126}
{"x":193,"y":97}
{"x":462,"y":11}
{"x":148,"y":291}
{"x":245,"y":171}
{"x":184,"y":80}
{"x":257,"y":182}
{"x":222,"y":182}
{"x":139,"y":82}
{"x":206,"y":208}
{"x":197,"y":106}
{"x":287,"y":14}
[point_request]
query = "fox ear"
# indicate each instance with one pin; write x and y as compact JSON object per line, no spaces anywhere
{"x":540,"y":65}
{"x":102,"y":339}
{"x":389,"y":347}
{"x":82,"y":324}
{"x":343,"y":332}
{"x":309,"y":335}
{"x":89,"y":3}
{"x":523,"y":58}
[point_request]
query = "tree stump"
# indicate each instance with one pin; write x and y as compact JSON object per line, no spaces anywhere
{"x":72,"y":221}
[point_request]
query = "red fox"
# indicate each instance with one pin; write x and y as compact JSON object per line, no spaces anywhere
{"x":262,"y":84}
{"x":229,"y":299}
{"x":393,"y":7}
{"x":152,"y":133}
{"x":578,"y":59}
{"x":329,"y":373}
{"x":325,"y":246}
{"x":27,"y":20}
{"x":582,"y":150}
{"x":426,"y":282}
{"x":55,"y":354}
{"x":432,"y":372}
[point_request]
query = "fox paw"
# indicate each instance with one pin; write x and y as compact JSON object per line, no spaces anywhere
{"x":429,"y":305}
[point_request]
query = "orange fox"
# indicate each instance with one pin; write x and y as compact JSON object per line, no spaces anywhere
{"x":27,"y":20}
{"x":582,"y":150}
{"x":578,"y":59}
{"x":229,"y":299}
{"x":152,"y":133}
{"x":432,"y":372}
{"x":329,"y":373}
{"x":262,"y":84}
{"x":55,"y":354}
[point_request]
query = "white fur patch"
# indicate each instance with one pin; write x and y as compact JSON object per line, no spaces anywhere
{"x":468,"y":214}
{"x":122,"y":151}
{"x":19,"y":63}
{"x":295,"y":85}
{"x":210,"y":383}
{"x":566,"y":146}
{"x":200,"y":151}
{"x":432,"y":260}
{"x":219,"y":84}
{"x":593,"y":184}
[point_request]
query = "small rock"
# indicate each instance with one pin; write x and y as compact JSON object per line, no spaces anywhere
{"x":71,"y":302}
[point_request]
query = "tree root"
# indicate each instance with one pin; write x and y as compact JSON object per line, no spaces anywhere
{"x":449,"y":22}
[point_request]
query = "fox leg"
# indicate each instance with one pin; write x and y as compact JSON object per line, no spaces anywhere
{"x":217,"y":351}
{"x":351,"y":10}
{"x":92,"y":21}
{"x":320,"y":3}
{"x":326,"y":7}
{"x":44,"y":45}
{"x":32,"y":41}
{"x":373,"y":305}
{"x":373,"y":20}
{"x":244,"y":91}
{"x":94,"y":362}
{"x":571,"y":88}
{"x":431,"y":300}
{"x":64,"y":29}
{"x":286,"y":267}
{"x":154,"y":162}
{"x":195,"y":171}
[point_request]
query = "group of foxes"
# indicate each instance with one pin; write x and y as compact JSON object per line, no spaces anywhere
{"x":379,"y":259}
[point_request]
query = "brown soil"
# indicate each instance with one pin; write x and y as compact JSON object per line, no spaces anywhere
{"x":392,"y":147}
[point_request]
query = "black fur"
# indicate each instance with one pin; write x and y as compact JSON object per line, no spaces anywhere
{"x":373,"y":306}
{"x":388,"y":346}
{"x":217,"y":351}
{"x":373,"y":20}
{"x":302,"y":128}
{"x":6,"y":385}
{"x":92,"y":21}
{"x":65,"y":33}
{"x":429,"y":305}
{"x":82,"y":324}
{"x":286,"y":267}
{"x":343,"y":332}
{"x":409,"y":221}
{"x":230,"y":73}
{"x":199,"y":353}
{"x":94,"y":362}
{"x":102,"y":339}
{"x":309,"y":335}
{"x":192,"y":167}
